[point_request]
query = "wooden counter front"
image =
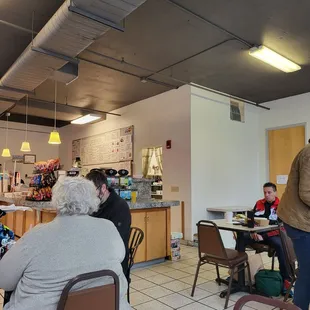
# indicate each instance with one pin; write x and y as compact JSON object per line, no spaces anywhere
{"x":154,"y":222}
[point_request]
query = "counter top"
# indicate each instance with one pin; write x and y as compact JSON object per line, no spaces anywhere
{"x":230,"y":209}
{"x":140,"y":204}
{"x":153,"y":203}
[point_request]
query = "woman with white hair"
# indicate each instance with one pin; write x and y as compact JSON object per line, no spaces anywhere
{"x":41,"y":263}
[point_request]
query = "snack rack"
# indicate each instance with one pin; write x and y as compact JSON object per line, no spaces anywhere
{"x":41,"y":183}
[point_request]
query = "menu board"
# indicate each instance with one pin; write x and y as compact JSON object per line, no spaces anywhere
{"x":110,"y":147}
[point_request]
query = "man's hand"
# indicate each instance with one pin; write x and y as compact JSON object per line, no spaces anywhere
{"x":257,"y":237}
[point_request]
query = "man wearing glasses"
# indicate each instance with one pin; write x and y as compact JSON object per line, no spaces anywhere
{"x":113,"y":208}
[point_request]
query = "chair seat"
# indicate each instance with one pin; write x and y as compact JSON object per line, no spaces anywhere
{"x":234,"y":258}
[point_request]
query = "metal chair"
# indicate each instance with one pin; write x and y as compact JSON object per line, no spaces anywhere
{"x":96,"y":298}
{"x":290,"y":258}
{"x":275,"y":303}
{"x":135,"y":239}
{"x":211,"y":250}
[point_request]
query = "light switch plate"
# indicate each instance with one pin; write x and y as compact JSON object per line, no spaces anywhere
{"x":174,"y":189}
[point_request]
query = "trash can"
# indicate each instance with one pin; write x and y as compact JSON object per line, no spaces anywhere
{"x":176,"y":245}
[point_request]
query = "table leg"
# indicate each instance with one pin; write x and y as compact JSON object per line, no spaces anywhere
{"x":241,"y":248}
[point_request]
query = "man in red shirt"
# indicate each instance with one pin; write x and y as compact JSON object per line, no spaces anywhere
{"x":267,"y":208}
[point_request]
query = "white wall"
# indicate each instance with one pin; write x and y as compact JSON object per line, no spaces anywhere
{"x":289,"y":111}
{"x":38,"y":142}
{"x":157,"y":119}
{"x":224,"y":155}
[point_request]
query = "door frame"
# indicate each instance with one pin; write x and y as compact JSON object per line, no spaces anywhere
{"x":304,"y":124}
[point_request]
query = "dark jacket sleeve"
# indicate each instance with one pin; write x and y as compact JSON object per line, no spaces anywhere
{"x":121,"y":217}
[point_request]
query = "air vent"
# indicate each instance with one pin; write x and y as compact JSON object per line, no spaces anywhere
{"x":237,"y":111}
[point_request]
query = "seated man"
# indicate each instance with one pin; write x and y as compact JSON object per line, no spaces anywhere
{"x":267,"y":208}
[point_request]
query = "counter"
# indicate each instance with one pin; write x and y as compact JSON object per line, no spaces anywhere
{"x":139,"y":204}
{"x":150,"y":215}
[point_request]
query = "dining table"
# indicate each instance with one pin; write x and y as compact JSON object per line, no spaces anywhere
{"x":240,"y":232}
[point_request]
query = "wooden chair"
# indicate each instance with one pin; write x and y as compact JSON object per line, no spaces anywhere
{"x":96,"y":298}
{"x":290,"y":258}
{"x":274,"y":303}
{"x":135,"y":239}
{"x":212,"y":251}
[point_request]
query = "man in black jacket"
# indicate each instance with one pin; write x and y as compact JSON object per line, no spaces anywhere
{"x":112,"y":208}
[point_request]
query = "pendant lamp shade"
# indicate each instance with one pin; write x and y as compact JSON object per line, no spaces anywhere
{"x":6,"y":151}
{"x":26,"y":145}
{"x":54,"y":135}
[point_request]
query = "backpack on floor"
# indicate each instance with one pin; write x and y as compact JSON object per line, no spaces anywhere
{"x":269,"y":283}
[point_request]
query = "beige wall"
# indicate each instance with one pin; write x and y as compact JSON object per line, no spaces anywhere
{"x":283,"y":112}
{"x":38,"y":142}
{"x":157,"y":119}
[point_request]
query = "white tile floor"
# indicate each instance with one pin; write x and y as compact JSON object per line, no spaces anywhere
{"x":168,"y":285}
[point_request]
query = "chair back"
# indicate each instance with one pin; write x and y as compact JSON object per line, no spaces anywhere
{"x":275,"y":303}
{"x":96,"y":298}
{"x":289,"y":252}
{"x":135,"y":239}
{"x":210,"y":244}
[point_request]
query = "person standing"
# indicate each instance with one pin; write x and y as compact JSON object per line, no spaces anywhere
{"x":294,"y":211}
{"x":112,"y":208}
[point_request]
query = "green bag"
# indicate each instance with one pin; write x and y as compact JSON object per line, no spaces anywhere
{"x":269,"y":283}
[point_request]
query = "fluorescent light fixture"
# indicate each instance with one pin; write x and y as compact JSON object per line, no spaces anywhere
{"x":272,"y":58}
{"x":86,"y":119}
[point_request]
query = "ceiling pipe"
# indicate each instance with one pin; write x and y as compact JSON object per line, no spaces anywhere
{"x":8,"y":109}
{"x":72,"y":106}
{"x":128,"y":73}
{"x":174,"y":79}
{"x":16,"y":90}
{"x":183,"y":8}
{"x":23,"y":130}
{"x":67,"y":105}
{"x":194,"y":55}
{"x":3,"y":22}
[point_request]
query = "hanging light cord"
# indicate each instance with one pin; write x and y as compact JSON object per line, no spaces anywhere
{"x":55,"y":105}
{"x":26,"y":133}
{"x":7,"y":130}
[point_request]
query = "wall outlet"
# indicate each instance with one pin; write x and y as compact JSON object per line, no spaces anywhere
{"x":174,"y":189}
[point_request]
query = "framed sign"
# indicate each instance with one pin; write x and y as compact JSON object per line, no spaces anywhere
{"x":18,"y":158}
{"x":29,"y":158}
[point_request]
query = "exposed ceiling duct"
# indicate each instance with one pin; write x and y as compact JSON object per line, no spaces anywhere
{"x":74,"y":27}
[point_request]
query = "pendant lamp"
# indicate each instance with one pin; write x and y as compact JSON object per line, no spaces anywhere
{"x":26,"y":145}
{"x":6,"y":151}
{"x":54,"y":135}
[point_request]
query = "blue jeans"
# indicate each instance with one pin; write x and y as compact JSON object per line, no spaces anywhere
{"x":301,"y":242}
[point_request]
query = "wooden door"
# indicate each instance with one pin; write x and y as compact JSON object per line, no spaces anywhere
{"x":138,"y":219}
{"x":156,"y":235}
{"x":283,"y":145}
